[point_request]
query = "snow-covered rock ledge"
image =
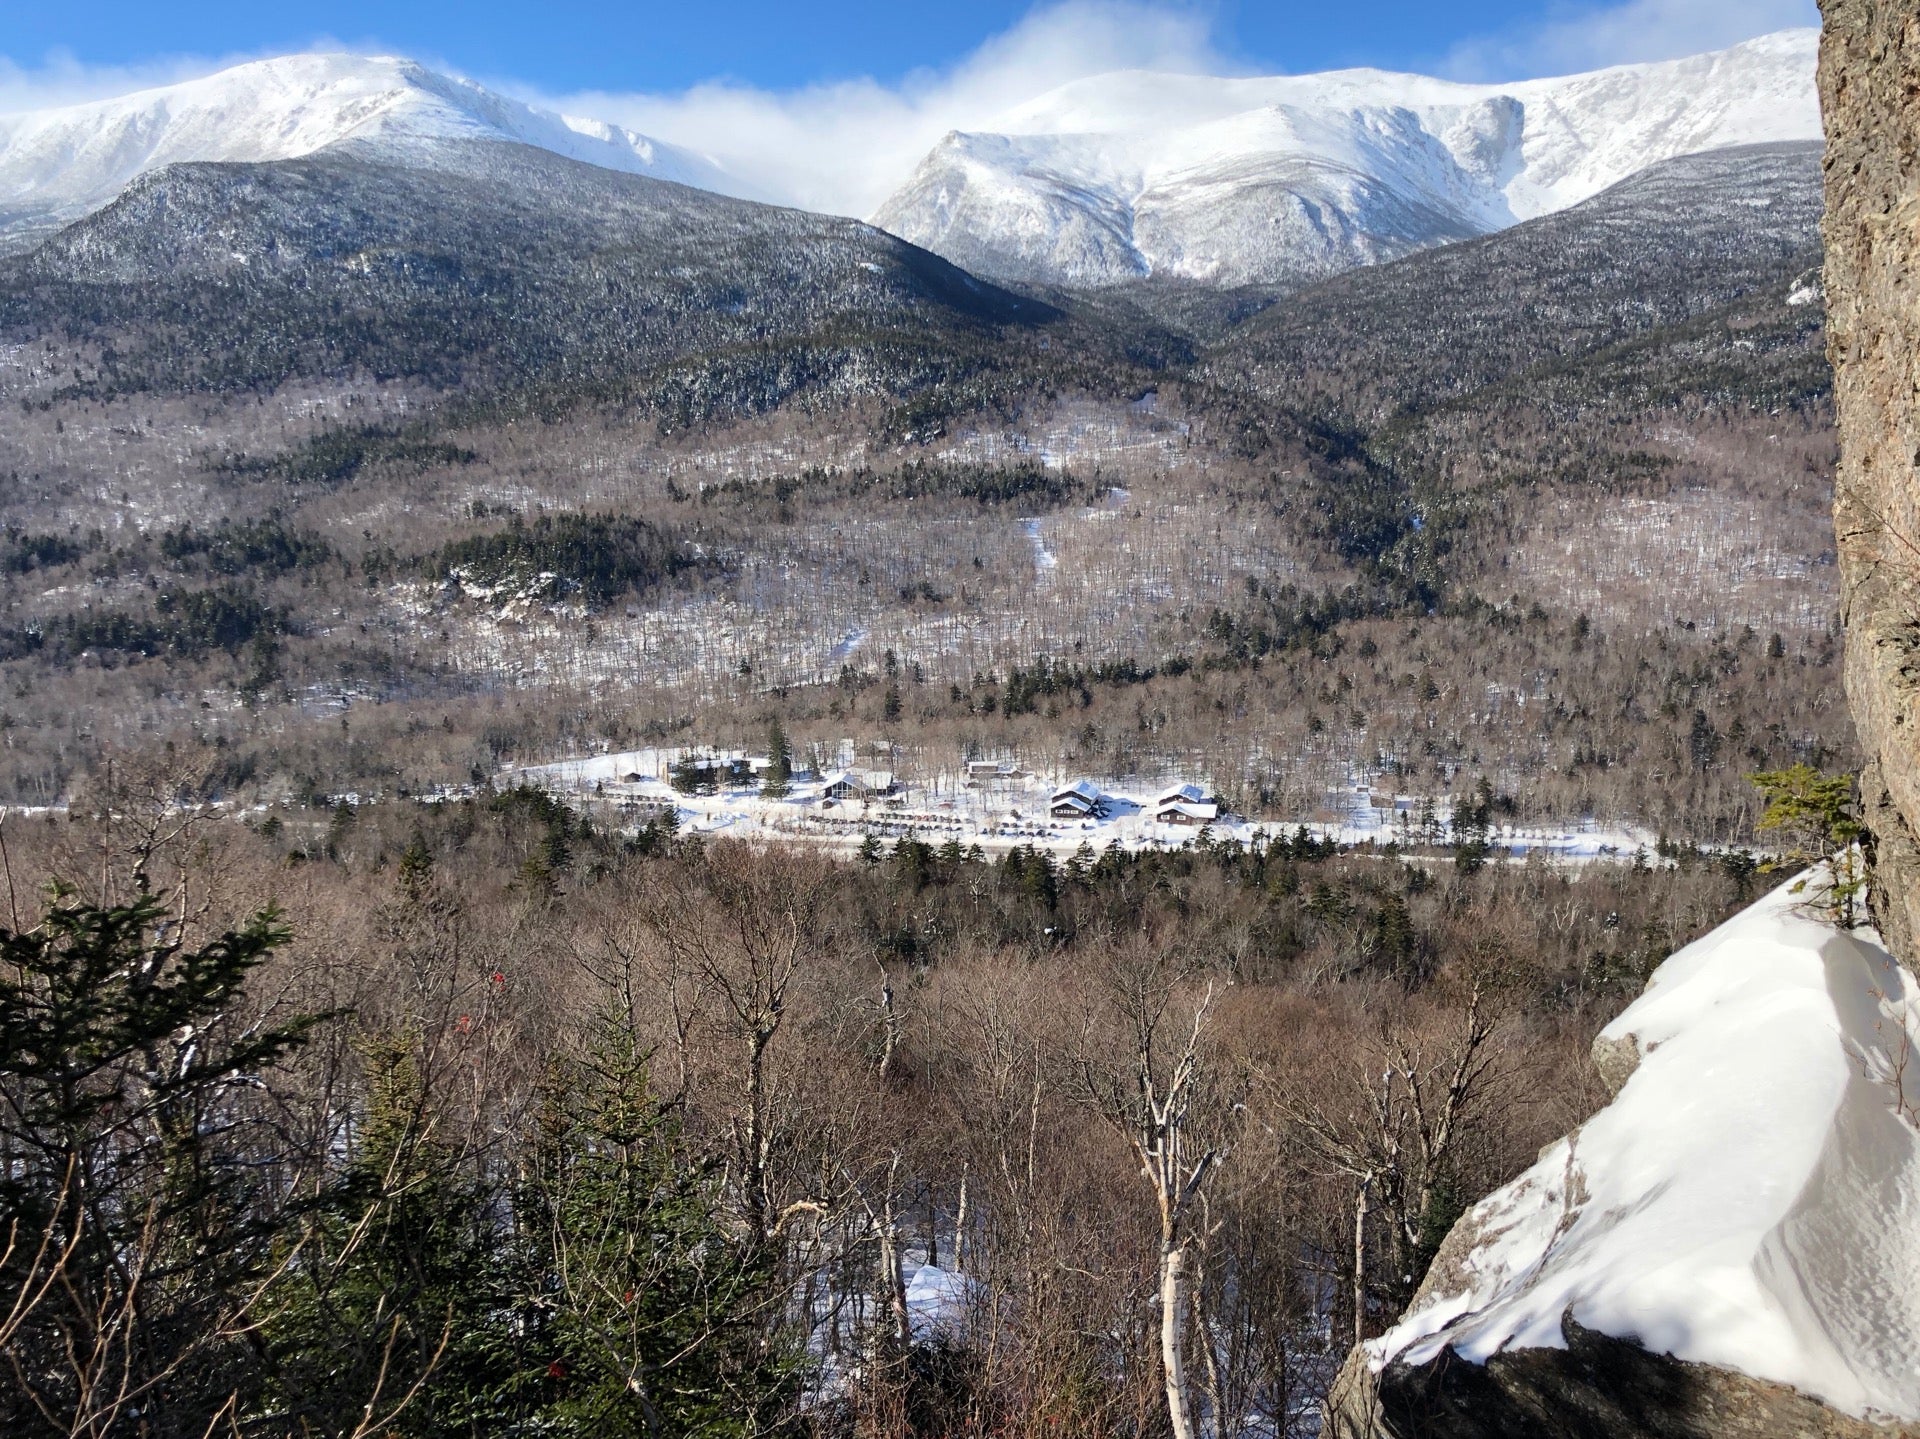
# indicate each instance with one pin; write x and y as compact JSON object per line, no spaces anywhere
{"x":1746,"y":1209}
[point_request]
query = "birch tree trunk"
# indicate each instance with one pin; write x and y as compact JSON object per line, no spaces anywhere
{"x":1361,"y":1203}
{"x":1173,"y":1336}
{"x":893,"y":1272}
{"x":960,"y":1226}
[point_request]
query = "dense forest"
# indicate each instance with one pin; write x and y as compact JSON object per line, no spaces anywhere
{"x":469,"y":1119}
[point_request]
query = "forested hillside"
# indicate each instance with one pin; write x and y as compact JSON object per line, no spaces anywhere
{"x":477,"y":1119}
{"x":1544,"y":508}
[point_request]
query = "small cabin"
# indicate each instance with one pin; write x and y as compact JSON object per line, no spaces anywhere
{"x":867,"y":784}
{"x":1080,"y":800}
{"x":1187,"y":812}
{"x":991,"y":771}
{"x":1180,"y":794}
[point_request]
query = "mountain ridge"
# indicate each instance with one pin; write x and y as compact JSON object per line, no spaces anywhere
{"x":57,"y":166}
{"x":1289,"y":179}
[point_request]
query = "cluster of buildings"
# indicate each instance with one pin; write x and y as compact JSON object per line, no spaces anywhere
{"x":872,"y":791}
{"x":1180,"y":804}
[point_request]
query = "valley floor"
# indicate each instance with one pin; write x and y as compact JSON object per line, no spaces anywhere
{"x":632,"y":787}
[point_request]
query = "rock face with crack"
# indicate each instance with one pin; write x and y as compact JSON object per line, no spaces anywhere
{"x":1870,"y":92}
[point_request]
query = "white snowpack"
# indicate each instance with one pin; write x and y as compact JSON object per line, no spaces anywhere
{"x":937,"y":1300}
{"x":72,"y":159}
{"x":1236,"y":179}
{"x":1750,"y":1199}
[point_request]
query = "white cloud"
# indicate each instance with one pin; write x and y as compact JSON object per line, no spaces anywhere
{"x":1590,"y":37}
{"x":62,"y":80}
{"x":843,"y":148}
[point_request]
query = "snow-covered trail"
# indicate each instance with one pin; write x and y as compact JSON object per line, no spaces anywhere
{"x":1044,"y":559}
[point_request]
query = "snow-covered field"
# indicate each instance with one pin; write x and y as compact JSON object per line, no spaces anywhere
{"x":1751,"y":1198}
{"x":1002,"y":812}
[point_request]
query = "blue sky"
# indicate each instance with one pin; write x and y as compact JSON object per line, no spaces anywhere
{"x":568,"y":46}
{"x":828,"y":103}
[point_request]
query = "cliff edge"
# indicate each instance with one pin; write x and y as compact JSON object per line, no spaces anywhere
{"x":1870,"y":96}
{"x":1731,"y":1247}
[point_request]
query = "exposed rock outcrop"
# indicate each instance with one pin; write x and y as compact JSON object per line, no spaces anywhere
{"x":1870,"y":92}
{"x":1595,"y":1388}
{"x":1730,"y":1248}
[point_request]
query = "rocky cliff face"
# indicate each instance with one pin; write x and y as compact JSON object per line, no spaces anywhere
{"x":1870,"y":91}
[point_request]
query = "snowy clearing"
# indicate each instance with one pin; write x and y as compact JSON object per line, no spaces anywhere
{"x":1015,"y":808}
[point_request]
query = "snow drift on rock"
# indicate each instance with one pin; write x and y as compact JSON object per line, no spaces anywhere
{"x":56,"y":165}
{"x":1750,"y":1199}
{"x":1286,"y":178}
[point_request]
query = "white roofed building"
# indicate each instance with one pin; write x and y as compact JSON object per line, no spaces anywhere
{"x":1080,"y":800}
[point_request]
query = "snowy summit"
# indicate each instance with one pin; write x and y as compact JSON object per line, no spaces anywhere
{"x":57,"y":165}
{"x":1282,"y":178}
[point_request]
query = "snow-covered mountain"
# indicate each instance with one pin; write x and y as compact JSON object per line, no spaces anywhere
{"x":1282,"y":178}
{"x":56,"y":165}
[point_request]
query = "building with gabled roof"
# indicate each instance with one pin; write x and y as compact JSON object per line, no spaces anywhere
{"x":1186,"y":812}
{"x":1080,"y":800}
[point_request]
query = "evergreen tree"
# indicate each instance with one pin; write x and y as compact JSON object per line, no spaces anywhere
{"x":1032,"y":872}
{"x":652,"y":1315}
{"x":779,"y":777}
{"x":416,"y":866}
{"x":556,"y":848}
{"x":138,"y":1214}
{"x":1815,"y":814}
{"x":693,"y":775}
{"x":394,"y":1303}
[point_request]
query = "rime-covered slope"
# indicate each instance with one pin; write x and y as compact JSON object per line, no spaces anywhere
{"x":1290,"y":178}
{"x":1671,"y":244}
{"x":56,"y":165}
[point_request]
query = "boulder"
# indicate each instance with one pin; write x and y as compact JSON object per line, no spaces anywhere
{"x":1597,"y":1387}
{"x":1730,"y":1247}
